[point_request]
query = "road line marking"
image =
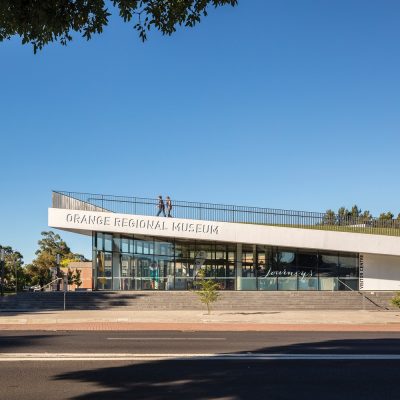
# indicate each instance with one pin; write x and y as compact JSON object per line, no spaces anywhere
{"x":164,"y":338}
{"x":188,"y":356}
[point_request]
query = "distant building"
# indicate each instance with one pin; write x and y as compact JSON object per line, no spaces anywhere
{"x":86,"y":273}
{"x":243,"y":248}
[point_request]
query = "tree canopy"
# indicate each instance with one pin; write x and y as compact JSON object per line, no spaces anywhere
{"x":45,"y":262}
{"x":357,"y":216}
{"x":40,"y":22}
{"x":13,"y":267}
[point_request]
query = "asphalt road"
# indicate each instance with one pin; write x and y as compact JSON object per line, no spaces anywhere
{"x":199,"y":342}
{"x":205,"y":378}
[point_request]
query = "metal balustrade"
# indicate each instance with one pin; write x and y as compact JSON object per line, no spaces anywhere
{"x":227,"y":213}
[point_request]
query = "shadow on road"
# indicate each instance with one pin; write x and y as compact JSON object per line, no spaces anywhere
{"x":278,"y":379}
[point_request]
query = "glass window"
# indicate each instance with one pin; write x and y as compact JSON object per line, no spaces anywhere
{"x":348,"y":272}
{"x":182,"y":248}
{"x":220,"y":270}
{"x":328,"y":270}
{"x":108,"y":242}
{"x":163,"y":248}
{"x":147,"y":247}
{"x":348,"y":265}
{"x":184,"y":268}
{"x":125,"y":245}
{"x":99,"y":241}
{"x":100,"y":263}
{"x":285,"y":269}
{"x":247,"y":257}
{"x":108,"y":265}
{"x":307,"y":270}
{"x":230,"y":270}
{"x":207,"y":249}
{"x":144,"y":246}
{"x":126,"y":272}
{"x":138,"y":249}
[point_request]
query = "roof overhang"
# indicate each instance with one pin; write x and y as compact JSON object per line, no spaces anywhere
{"x":86,"y":222}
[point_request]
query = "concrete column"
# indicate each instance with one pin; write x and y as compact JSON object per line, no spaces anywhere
{"x":255,"y":263}
{"x":239,"y":254}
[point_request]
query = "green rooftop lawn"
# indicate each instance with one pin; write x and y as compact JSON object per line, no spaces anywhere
{"x":344,"y":228}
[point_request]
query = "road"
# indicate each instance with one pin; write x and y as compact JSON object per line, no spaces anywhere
{"x":199,"y":365}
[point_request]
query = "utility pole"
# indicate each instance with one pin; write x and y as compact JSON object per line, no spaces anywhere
{"x":16,"y":278}
{"x":58,"y":271}
{"x":2,"y":257}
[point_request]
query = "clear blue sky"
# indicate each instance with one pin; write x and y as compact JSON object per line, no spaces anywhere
{"x":282,"y":104}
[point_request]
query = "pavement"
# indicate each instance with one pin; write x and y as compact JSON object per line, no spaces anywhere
{"x":195,"y":320}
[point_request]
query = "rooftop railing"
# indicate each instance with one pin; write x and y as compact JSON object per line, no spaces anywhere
{"x":227,"y":213}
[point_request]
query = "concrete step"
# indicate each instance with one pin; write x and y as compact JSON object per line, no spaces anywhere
{"x":148,"y":300}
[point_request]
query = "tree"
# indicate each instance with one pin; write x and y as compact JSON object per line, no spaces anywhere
{"x":345,"y":217}
{"x":329,"y":218}
{"x":42,"y":267}
{"x":343,"y":214}
{"x":14,"y":271}
{"x":365,"y":217}
{"x":396,"y":300}
{"x":39,"y":22}
{"x":74,"y":277}
{"x":77,"y":277}
{"x":207,"y":290}
{"x":355,"y":213}
{"x":52,"y":244}
{"x":386,"y":216}
{"x":70,"y":276}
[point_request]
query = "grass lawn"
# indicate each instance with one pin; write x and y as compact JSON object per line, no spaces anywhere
{"x":344,"y":228}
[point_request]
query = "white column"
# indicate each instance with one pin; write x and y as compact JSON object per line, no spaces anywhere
{"x":239,"y":266}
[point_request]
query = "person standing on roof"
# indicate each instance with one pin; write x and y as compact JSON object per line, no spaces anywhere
{"x":160,"y":206}
{"x":169,"y":206}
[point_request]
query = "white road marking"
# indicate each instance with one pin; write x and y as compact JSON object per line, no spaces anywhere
{"x":164,"y":338}
{"x":187,"y":356}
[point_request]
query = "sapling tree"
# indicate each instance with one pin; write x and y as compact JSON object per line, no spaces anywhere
{"x":396,"y":300}
{"x":207,"y":290}
{"x":77,"y":277}
{"x":70,"y":276}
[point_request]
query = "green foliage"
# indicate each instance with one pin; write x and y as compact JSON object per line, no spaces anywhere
{"x":77,"y":277}
{"x":45,"y":21}
{"x":52,"y":244}
{"x":207,"y":289}
{"x":74,"y":277}
{"x":45,"y":262}
{"x":14,"y":270}
{"x":356,"y":216}
{"x":386,"y":216}
{"x":396,"y":300}
{"x":70,"y":276}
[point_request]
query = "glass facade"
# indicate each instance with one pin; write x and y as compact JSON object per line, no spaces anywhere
{"x":147,"y":263}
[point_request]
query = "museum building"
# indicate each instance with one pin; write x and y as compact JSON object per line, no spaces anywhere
{"x":242,"y":248}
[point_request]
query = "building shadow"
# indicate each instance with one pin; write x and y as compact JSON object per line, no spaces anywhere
{"x":247,"y":379}
{"x":10,"y":343}
{"x":54,"y":301}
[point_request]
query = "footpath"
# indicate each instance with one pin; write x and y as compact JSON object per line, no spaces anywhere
{"x":229,"y":320}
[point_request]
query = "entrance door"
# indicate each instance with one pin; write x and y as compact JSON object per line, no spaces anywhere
{"x":150,"y":273}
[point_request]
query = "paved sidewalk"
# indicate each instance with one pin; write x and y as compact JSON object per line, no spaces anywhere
{"x":307,"y":320}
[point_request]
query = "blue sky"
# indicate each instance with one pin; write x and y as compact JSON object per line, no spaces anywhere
{"x":280,"y":104}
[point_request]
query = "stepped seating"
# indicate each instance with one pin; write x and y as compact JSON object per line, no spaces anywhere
{"x":176,"y":300}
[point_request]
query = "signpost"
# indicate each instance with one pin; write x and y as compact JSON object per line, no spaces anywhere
{"x":65,"y":284}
